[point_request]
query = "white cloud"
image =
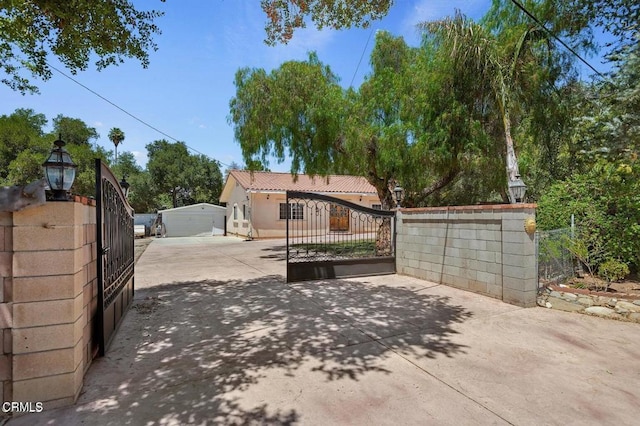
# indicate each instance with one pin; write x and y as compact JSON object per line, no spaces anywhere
{"x":141,"y":158}
{"x":197,"y":121}
{"x":98,"y":124}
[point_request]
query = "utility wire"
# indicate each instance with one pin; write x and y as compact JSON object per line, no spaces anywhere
{"x":131,"y":115}
{"x":361,"y":56}
{"x":566,"y":46}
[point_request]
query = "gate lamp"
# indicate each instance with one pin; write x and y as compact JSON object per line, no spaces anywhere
{"x":517,"y":189}
{"x":60,"y":171}
{"x":125,"y":186}
{"x":398,"y":193}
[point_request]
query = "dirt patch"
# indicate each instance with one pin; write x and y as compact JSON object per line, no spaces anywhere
{"x":149,"y":305}
{"x":630,"y":286}
{"x":140,"y":245}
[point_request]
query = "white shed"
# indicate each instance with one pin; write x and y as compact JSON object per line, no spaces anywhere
{"x":196,"y":219}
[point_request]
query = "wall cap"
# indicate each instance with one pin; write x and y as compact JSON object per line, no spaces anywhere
{"x":477,"y":207}
{"x":84,"y":200}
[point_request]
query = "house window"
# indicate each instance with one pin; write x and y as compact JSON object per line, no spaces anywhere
{"x":235,"y":212}
{"x":295,"y":211}
{"x":376,"y":206}
{"x":244,"y":211}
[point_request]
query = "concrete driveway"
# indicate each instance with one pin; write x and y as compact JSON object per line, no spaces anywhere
{"x":216,"y":336}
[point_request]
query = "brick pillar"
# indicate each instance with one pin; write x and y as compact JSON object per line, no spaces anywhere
{"x":49,"y":316}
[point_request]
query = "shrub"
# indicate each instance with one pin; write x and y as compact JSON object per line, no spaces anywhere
{"x":605,"y":200}
{"x":613,"y":270}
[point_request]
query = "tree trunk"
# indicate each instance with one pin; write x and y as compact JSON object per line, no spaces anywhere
{"x":512,"y":160}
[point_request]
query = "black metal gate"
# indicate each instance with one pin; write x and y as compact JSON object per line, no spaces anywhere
{"x":332,"y":238}
{"x":115,"y":255}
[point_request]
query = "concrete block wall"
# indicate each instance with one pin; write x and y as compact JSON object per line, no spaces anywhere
{"x":484,"y":249}
{"x":48,"y":268}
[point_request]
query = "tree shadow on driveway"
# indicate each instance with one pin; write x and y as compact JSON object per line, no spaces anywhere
{"x":188,"y":352}
{"x":279,"y":252}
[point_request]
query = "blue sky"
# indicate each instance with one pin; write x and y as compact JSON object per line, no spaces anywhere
{"x":185,"y":92}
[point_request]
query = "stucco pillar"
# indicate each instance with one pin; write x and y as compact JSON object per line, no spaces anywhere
{"x":519,"y":261}
{"x":48,"y":309}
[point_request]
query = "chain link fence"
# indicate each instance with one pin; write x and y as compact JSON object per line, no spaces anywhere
{"x":555,"y":261}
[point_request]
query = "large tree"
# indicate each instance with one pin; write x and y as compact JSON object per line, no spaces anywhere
{"x":402,"y":125}
{"x":110,"y":31}
{"x":181,"y":178}
{"x":107,"y":31}
{"x":285,"y":16}
{"x":116,"y":136}
{"x":295,"y":109}
{"x":73,"y":130}
{"x":620,"y":18}
{"x":21,"y":134}
{"x":24,"y":146}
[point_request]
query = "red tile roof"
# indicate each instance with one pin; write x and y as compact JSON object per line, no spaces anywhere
{"x":270,"y":181}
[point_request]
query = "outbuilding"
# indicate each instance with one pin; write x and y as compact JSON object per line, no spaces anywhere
{"x":196,"y":219}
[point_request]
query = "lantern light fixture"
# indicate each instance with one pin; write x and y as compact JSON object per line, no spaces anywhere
{"x":398,"y":193}
{"x":517,"y":189}
{"x":60,"y":171}
{"x":125,"y":186}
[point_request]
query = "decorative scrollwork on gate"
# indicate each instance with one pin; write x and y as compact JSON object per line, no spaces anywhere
{"x":324,"y":232}
{"x":118,"y":242}
{"x":115,"y":255}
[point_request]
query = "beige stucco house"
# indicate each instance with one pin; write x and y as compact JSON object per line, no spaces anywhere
{"x":257,"y":204}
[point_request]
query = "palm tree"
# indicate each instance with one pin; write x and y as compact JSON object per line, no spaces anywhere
{"x":477,"y":53}
{"x":116,"y":136}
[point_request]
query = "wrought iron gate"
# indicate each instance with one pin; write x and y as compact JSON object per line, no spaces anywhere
{"x":332,"y":238}
{"x":115,"y":255}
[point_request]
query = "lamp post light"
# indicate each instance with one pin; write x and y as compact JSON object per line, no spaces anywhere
{"x":60,"y":171}
{"x":125,"y":186}
{"x":398,"y":193}
{"x":517,"y":189}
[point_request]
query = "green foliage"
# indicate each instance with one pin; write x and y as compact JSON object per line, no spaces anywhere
{"x":619,"y":18}
{"x":142,"y":196}
{"x":285,"y":16}
{"x":84,"y":156}
{"x":116,"y":136}
{"x":73,"y":130}
{"x":180,"y":178}
{"x":75,"y":32}
{"x":24,"y":147}
{"x":587,"y":248}
{"x":21,"y":135}
{"x":346,"y":248}
{"x":295,"y":110}
{"x":401,"y":119}
{"x":606,"y":203}
{"x":613,"y":270}
{"x":173,"y":176}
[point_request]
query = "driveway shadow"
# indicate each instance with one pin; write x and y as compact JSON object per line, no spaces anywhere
{"x":187,"y":352}
{"x":279,"y":253}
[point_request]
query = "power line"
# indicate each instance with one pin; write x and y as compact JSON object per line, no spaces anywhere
{"x":361,"y":56}
{"x":131,"y":115}
{"x":566,"y":46}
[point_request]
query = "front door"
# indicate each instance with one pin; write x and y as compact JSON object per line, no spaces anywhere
{"x":338,"y":218}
